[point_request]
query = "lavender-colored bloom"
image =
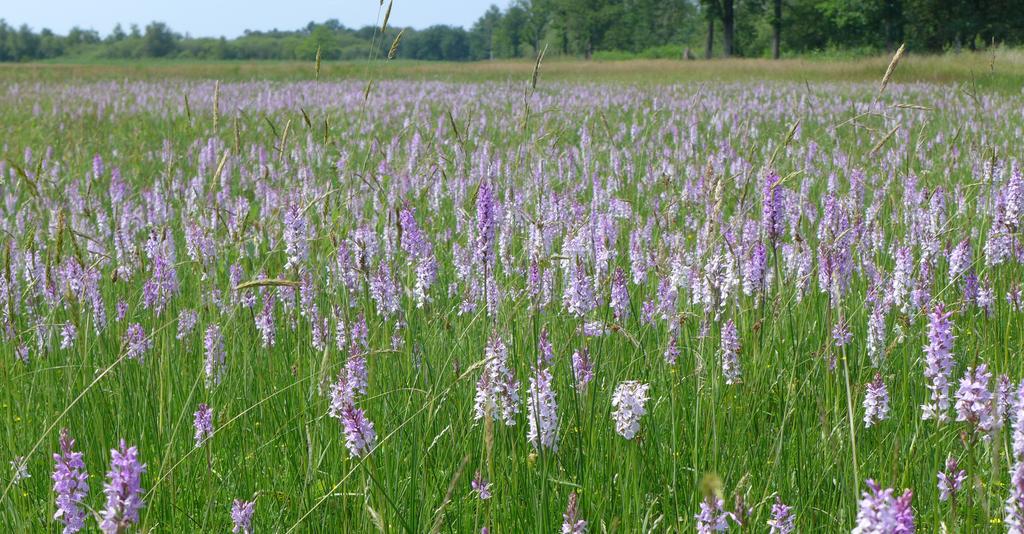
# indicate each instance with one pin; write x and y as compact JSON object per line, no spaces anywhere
{"x":902,"y":284}
{"x":582,"y":368}
{"x":876,"y":402}
{"x":202,"y":421}
{"x":497,"y":391}
{"x":120,"y":310}
{"x":414,"y":243}
{"x":481,"y":487}
{"x":1015,"y":298}
{"x":542,"y":408}
{"x":578,"y":298}
{"x":360,"y":435}
{"x":486,"y":224}
{"x":951,"y":480}
{"x":68,"y":332}
{"x":772,"y":208}
{"x":1014,"y":518}
{"x":939,"y":364}
{"x":123,"y":490}
{"x":187,"y":320}
{"x":620,"y":295}
{"x":960,"y":259}
{"x":1017,"y":422}
{"x":360,"y":336}
{"x":729,"y":351}
{"x":841,"y":334}
{"x":712,"y":517}
{"x":241,"y":516}
{"x":667,"y":297}
{"x":426,"y":274}
{"x":356,"y":374}
{"x":880,"y":512}
{"x":163,"y":283}
{"x":215,"y":356}
{"x":341,"y":395}
{"x":19,"y":469}
{"x":97,"y":167}
{"x":876,"y":334}
{"x":265,"y":321}
{"x":384,"y":291}
{"x":755,"y":271}
{"x":70,"y":483}
{"x":571,"y":523}
{"x":136,"y":343}
{"x":974,"y":400}
{"x":547,"y":351}
{"x":782,"y":521}
{"x":1013,"y":206}
{"x":534,"y":284}
{"x":21,"y":353}
{"x":629,"y":400}
{"x":296,"y":245}
{"x":970,"y":288}
{"x":672,"y":351}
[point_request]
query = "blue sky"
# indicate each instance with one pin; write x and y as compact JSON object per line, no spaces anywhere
{"x":231,"y":17}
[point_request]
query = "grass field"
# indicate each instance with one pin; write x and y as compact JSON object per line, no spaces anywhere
{"x":449,"y":301}
{"x":1001,"y":70}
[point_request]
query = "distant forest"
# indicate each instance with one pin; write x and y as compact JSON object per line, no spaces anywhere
{"x":611,"y":29}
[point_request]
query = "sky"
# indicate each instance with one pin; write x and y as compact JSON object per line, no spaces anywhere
{"x":214,"y":18}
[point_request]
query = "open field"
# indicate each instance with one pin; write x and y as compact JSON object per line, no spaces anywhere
{"x":448,"y":301}
{"x":1003,"y":70}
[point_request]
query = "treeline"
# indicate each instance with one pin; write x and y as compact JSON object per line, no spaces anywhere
{"x":584,"y":28}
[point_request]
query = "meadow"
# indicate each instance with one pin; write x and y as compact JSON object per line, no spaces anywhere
{"x":609,"y":297}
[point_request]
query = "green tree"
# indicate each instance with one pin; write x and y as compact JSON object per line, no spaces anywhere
{"x":158,"y":41}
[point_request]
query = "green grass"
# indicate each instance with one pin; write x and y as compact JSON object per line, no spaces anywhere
{"x":785,"y":430}
{"x":1002,"y":70}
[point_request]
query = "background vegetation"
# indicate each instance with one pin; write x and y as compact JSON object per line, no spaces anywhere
{"x":603,"y":29}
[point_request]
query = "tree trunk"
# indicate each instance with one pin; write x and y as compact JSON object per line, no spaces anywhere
{"x":777,"y":30}
{"x":709,"y":46}
{"x":728,"y":25}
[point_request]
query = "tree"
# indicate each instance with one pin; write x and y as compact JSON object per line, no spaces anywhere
{"x":710,"y":14}
{"x":728,"y":27}
{"x":538,"y":18}
{"x":481,"y":36}
{"x":776,"y":28}
{"x":510,"y":32}
{"x":158,"y":41}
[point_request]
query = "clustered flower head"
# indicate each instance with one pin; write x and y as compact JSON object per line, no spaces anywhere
{"x":730,"y":353}
{"x":70,"y":483}
{"x":295,"y":236}
{"x":582,"y":368}
{"x":629,"y":400}
{"x":542,"y":410}
{"x":202,"y":421}
{"x":481,"y":487}
{"x":241,"y":516}
{"x":136,"y":343}
{"x":497,"y":391}
{"x":876,"y":402}
{"x":360,"y":435}
{"x":359,"y":432}
{"x":123,"y":489}
{"x":571,"y":522}
{"x":712,"y":516}
{"x":881,"y":512}
{"x":782,"y":519}
{"x":974,"y":400}
{"x":215,"y":356}
{"x":951,"y":480}
{"x":939,"y":364}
